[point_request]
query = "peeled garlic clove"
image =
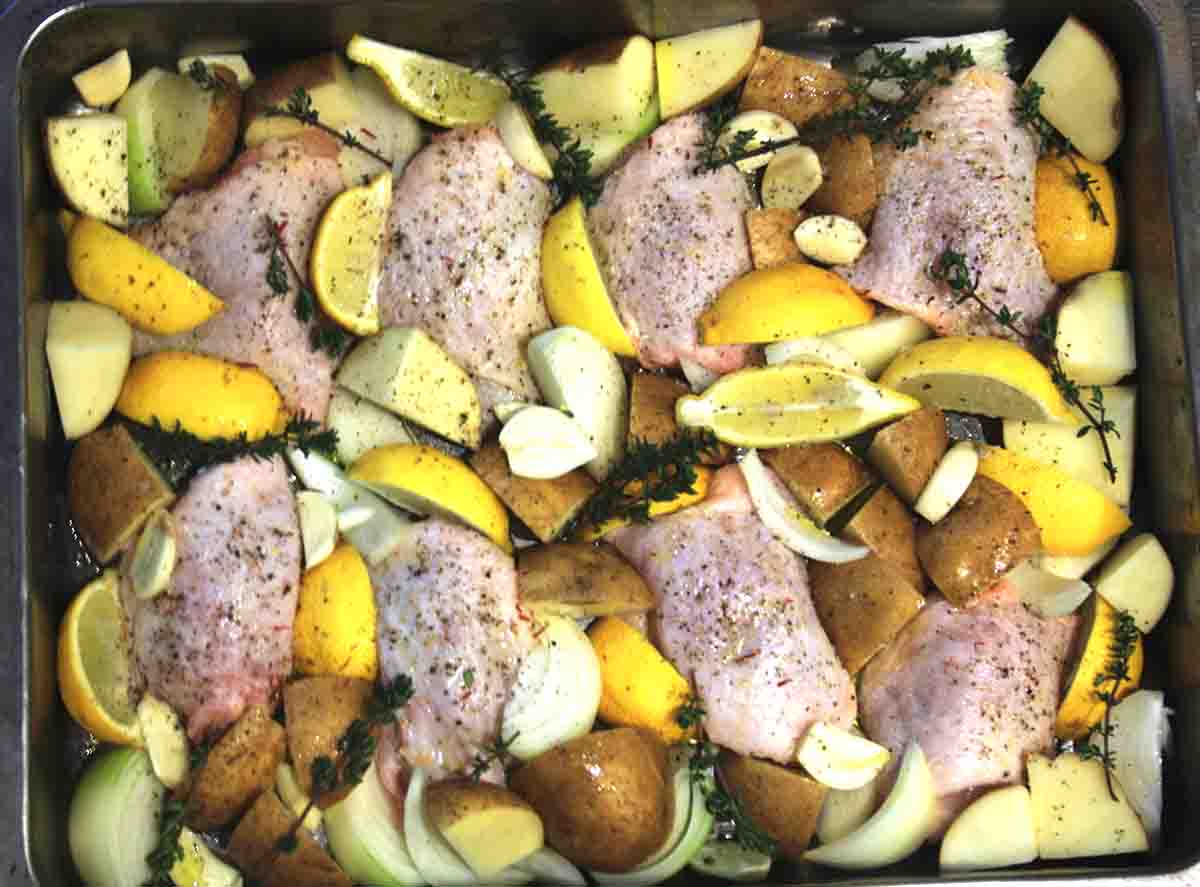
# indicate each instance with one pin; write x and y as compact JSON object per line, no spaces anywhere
{"x":153,"y":557}
{"x":793,"y":175}
{"x":840,"y":759}
{"x":543,"y":443}
{"x":767,"y":126}
{"x":830,"y":240}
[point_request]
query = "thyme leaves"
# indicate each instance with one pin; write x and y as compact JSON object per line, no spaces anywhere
{"x":167,"y":850}
{"x":181,"y":446}
{"x":203,"y":77}
{"x":951,"y":268}
{"x":499,"y":751}
{"x":1108,"y":684}
{"x":299,"y":107}
{"x":333,"y":340}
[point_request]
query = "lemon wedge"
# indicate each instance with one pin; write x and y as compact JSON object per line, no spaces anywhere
{"x":433,"y":89}
{"x":335,"y":624}
{"x":426,"y":481}
{"x":791,"y":403}
{"x":978,"y":374}
{"x":1081,"y":707}
{"x":95,"y":665}
{"x":344,"y":264}
{"x":840,"y":759}
{"x":788,"y":525}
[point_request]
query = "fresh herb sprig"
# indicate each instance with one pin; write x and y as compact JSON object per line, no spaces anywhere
{"x":1108,"y":683}
{"x":333,"y":340}
{"x":1029,"y":113}
{"x":167,"y":851}
{"x":499,"y":751}
{"x":712,"y":153}
{"x":203,"y":77}
{"x":189,"y":453}
{"x":951,"y":269}
{"x":299,"y":107}
{"x":355,"y":751}
{"x":648,"y":473}
{"x":572,"y":164}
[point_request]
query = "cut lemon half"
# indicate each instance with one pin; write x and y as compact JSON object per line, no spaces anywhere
{"x":344,"y":264}
{"x":784,"y":302}
{"x":572,"y":284}
{"x":978,"y":374}
{"x":434,"y":89}
{"x":1082,"y":708}
{"x":95,"y":664}
{"x":426,"y":481}
{"x":1073,"y":516}
{"x":789,"y":404}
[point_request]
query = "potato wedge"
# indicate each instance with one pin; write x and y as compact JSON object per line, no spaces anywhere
{"x":112,"y":488}
{"x":327,"y":81}
{"x":652,"y":407}
{"x":907,"y":452}
{"x":791,"y":86}
{"x":1073,"y":813}
{"x":546,"y":507}
{"x":489,"y":826}
{"x":361,"y":425}
{"x":195,"y":129}
{"x":253,"y":847}
{"x":605,"y":798}
{"x":237,"y":769}
{"x":770,"y":233}
{"x":824,"y":478}
{"x":87,"y":158}
{"x":988,"y":533}
{"x":319,"y":709}
{"x":698,"y":68}
{"x":106,"y":81}
{"x":88,"y":347}
{"x":580,"y":580}
{"x":886,"y":527}
{"x":783,"y":803}
{"x":382,"y":124}
{"x":995,"y":830}
{"x":862,"y":605}
{"x":849,"y":187}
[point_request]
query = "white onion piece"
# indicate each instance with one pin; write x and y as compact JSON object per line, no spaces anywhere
{"x":1140,"y":733}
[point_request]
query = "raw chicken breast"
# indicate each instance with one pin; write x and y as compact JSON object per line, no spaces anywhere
{"x":968,"y":186}
{"x":977,"y":688}
{"x":220,"y":638}
{"x":463,"y":257}
{"x":219,"y":237}
{"x":448,"y":617}
{"x":669,"y":239}
{"x":735,"y":616}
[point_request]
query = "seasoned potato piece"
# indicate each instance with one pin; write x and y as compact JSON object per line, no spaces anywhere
{"x":907,"y":452}
{"x":319,"y":709}
{"x":579,"y":580}
{"x":327,"y":81}
{"x":253,"y":847}
{"x":196,"y":146}
{"x":886,"y":526}
{"x":545,"y":506}
{"x":862,"y":605}
{"x":792,"y":87}
{"x":489,"y":826}
{"x":652,"y":406}
{"x":783,"y":803}
{"x":237,"y":769}
{"x":823,"y":477}
{"x":770,"y":233}
{"x":987,"y":533}
{"x":605,"y":798}
{"x":849,"y":188}
{"x":112,"y":489}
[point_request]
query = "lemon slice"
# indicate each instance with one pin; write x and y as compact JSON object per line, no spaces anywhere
{"x":1081,"y":707}
{"x":788,"y":525}
{"x":791,"y":403}
{"x":434,"y":89}
{"x":95,"y":664}
{"x":429,"y":482}
{"x":344,"y":264}
{"x":978,"y":374}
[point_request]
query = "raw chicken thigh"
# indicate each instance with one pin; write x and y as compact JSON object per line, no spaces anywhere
{"x":735,"y":616}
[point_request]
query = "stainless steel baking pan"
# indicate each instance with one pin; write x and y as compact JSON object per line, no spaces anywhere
{"x":42,"y":43}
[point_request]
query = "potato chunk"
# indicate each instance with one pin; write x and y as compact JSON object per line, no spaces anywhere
{"x":254,"y":847}
{"x":319,"y":709}
{"x":783,"y":803}
{"x":770,"y":232}
{"x":886,"y":527}
{"x":791,"y":86}
{"x":490,"y":827}
{"x":907,"y":452}
{"x":580,"y":580}
{"x":824,"y":478}
{"x":238,"y":768}
{"x":546,"y":507}
{"x":87,"y":159}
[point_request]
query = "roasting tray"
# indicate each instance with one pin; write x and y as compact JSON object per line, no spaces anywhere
{"x":43,"y":43}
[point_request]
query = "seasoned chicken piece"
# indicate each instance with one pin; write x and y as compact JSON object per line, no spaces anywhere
{"x":448,"y":618}
{"x":219,"y":237}
{"x":463,"y":257}
{"x":669,"y":239}
{"x":220,"y":638}
{"x":977,"y":688}
{"x":735,"y":616}
{"x":967,"y":185}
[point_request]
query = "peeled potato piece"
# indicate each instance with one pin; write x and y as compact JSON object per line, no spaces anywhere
{"x":87,"y":159}
{"x":490,"y":827}
{"x":88,"y":347}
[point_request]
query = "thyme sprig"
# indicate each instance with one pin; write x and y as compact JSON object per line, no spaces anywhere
{"x":355,"y":751}
{"x":951,"y":269}
{"x":203,"y":77}
{"x":712,"y":153}
{"x":333,"y":340}
{"x":648,"y":473}
{"x":180,"y":445}
{"x":1028,"y":113}
{"x":1108,"y":683}
{"x":499,"y":751}
{"x":167,"y":851}
{"x":572,"y":164}
{"x":299,"y":106}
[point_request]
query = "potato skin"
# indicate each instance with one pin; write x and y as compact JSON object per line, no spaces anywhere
{"x":237,"y":769}
{"x":885,"y":525}
{"x":783,"y":803}
{"x":546,"y":507}
{"x":987,"y":533}
{"x":907,"y":452}
{"x":253,"y":848}
{"x":862,"y":605}
{"x":792,"y":87}
{"x":850,"y":187}
{"x":770,"y":232}
{"x":224,"y":115}
{"x":823,"y":477}
{"x":578,"y":580}
{"x":605,"y":798}
{"x":319,"y":709}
